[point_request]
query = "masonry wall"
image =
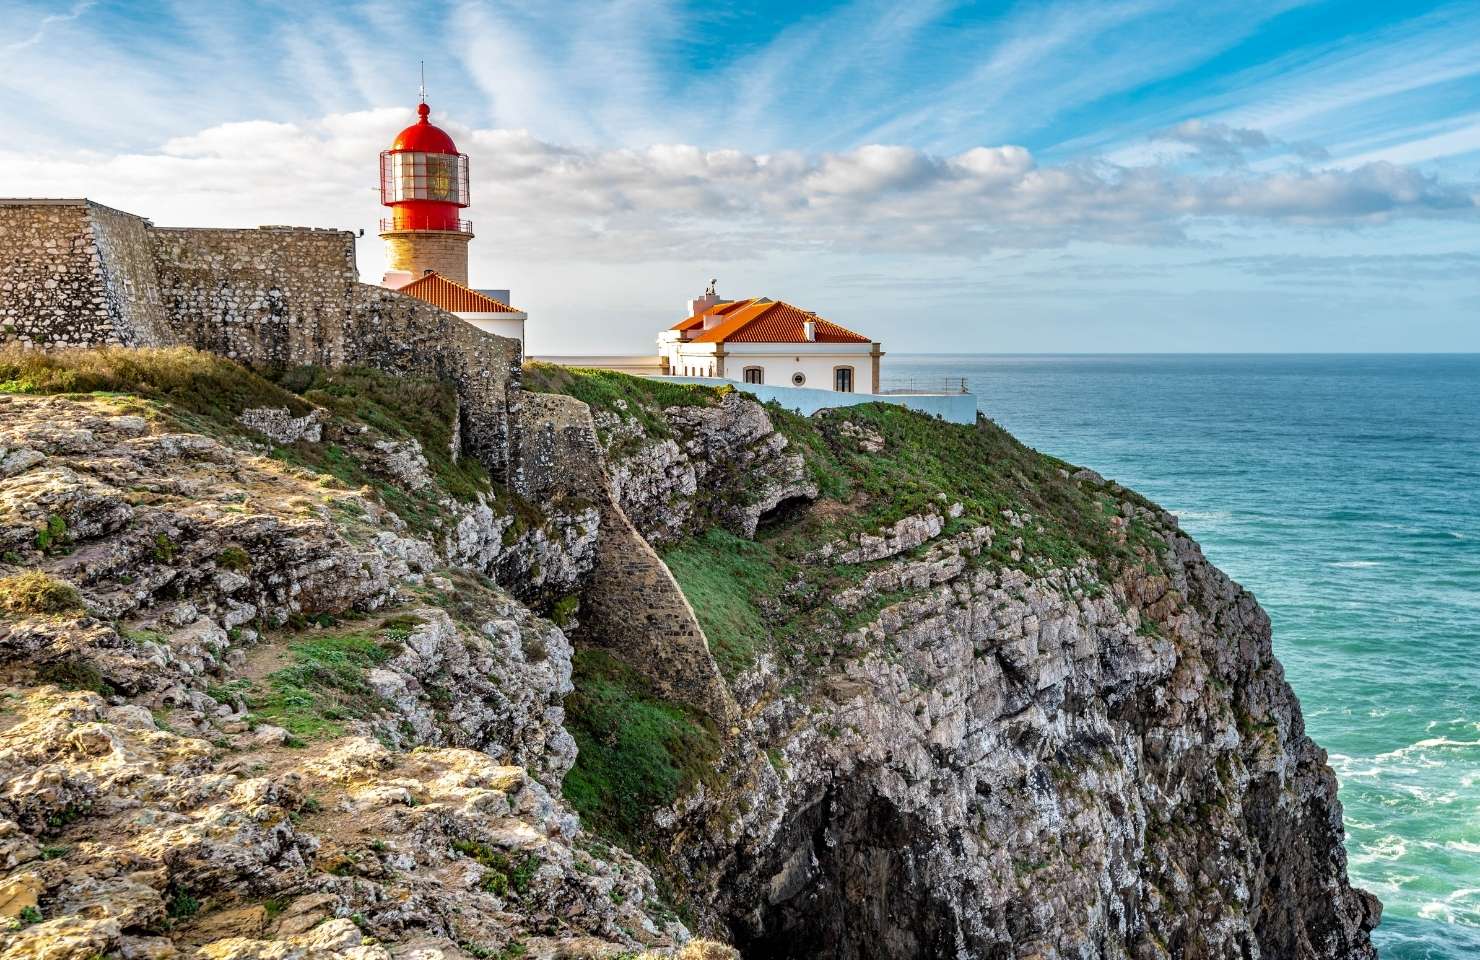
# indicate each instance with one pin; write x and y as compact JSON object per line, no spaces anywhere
{"x":632,"y":605}
{"x":269,"y":296}
{"x":52,"y":290}
{"x":76,"y":273}
{"x":126,"y":255}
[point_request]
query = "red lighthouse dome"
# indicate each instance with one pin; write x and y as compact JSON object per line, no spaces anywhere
{"x":423,"y":136}
{"x":424,"y":180}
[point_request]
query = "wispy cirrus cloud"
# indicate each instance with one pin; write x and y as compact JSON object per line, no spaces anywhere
{"x":1142,"y":140}
{"x":46,"y":23}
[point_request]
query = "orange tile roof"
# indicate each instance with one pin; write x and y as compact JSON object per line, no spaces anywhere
{"x":453,"y":296}
{"x":775,"y":321}
{"x":721,"y":308}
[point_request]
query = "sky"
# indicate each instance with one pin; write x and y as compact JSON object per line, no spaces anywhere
{"x":1051,"y":176}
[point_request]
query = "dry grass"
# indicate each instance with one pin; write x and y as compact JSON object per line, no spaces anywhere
{"x":192,"y":381}
{"x":35,"y":593}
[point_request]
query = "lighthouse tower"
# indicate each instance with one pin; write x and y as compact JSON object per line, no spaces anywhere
{"x":424,"y":180}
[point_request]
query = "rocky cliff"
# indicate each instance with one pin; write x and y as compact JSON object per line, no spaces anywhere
{"x":283,"y":675}
{"x":993,"y":705}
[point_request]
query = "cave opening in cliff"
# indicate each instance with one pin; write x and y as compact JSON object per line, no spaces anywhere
{"x":845,"y":880}
{"x":786,"y":512}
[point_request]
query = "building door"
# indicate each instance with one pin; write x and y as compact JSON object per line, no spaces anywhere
{"x":843,"y":379}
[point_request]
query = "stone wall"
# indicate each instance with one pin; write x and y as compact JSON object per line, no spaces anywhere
{"x":632,"y":605}
{"x":130,"y":279}
{"x":75,"y":273}
{"x":264,"y":296}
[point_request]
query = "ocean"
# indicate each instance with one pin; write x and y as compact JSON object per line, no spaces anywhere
{"x":1344,"y":492}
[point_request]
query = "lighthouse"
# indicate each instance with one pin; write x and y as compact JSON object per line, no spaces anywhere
{"x":424,"y":181}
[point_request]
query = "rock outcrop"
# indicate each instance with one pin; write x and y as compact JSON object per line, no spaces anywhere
{"x":721,"y":465}
{"x":247,"y":710}
{"x":985,"y":751}
{"x":288,"y":679}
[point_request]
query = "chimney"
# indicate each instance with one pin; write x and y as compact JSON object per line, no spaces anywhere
{"x":710,"y":298}
{"x":809,"y":328}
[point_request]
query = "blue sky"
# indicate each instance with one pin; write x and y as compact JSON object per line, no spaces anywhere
{"x":1047,"y":176}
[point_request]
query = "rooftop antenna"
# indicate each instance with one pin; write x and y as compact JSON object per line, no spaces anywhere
{"x":423,"y":80}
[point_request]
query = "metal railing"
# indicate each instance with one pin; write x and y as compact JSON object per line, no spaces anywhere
{"x":926,"y":385}
{"x":463,"y":226}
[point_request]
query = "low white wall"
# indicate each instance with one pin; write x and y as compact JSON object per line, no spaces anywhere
{"x":513,"y":329}
{"x":951,"y":407}
{"x":640,"y":365}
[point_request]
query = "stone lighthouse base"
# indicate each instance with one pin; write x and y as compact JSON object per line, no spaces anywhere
{"x":417,"y":251}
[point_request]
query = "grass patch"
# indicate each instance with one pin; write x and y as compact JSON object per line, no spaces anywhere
{"x":925,"y":464}
{"x":636,"y":751}
{"x":34,"y":593}
{"x":502,"y":874}
{"x":323,"y":686}
{"x":202,"y":393}
{"x":399,"y":407}
{"x":620,"y":393}
{"x":234,"y":558}
{"x":723,"y":576}
{"x":203,"y":389}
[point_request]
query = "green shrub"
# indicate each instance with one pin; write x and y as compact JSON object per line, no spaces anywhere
{"x":73,"y":673}
{"x":52,"y":533}
{"x":35,"y":593}
{"x":502,"y":874}
{"x":180,"y":904}
{"x":565,"y":610}
{"x":164,"y":549}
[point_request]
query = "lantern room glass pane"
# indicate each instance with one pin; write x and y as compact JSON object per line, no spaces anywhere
{"x":441,"y":177}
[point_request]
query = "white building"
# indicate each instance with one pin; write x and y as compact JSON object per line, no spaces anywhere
{"x":485,"y":309}
{"x":765,"y":341}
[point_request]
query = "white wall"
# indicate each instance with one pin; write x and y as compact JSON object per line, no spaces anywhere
{"x":499,"y":323}
{"x":815,"y":361}
{"x":953,"y":407}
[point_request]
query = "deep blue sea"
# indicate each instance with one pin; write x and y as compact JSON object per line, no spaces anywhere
{"x":1344,"y":491}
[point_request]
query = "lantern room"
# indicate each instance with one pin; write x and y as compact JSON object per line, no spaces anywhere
{"x":424,"y":180}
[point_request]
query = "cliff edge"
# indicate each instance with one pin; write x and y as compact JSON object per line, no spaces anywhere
{"x":285,"y":674}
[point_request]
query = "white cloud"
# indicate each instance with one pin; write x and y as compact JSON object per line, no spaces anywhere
{"x":678,"y":201}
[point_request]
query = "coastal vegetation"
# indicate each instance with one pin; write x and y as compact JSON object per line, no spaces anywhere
{"x":873,"y":465}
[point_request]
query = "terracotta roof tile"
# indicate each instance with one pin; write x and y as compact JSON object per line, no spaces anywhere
{"x":453,"y":296}
{"x":776,"y":322}
{"x":721,"y":308}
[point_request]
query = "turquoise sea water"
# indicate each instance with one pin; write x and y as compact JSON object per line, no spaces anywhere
{"x":1344,"y":491}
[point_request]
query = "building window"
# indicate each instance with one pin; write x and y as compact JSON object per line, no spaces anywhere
{"x":754,"y":375}
{"x":843,"y":379}
{"x":798,"y":378}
